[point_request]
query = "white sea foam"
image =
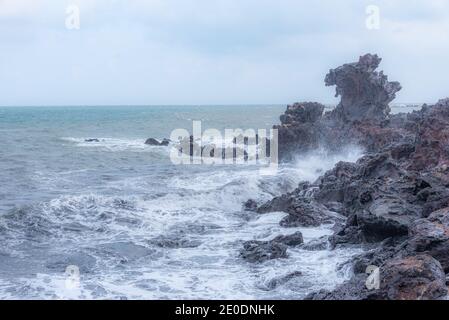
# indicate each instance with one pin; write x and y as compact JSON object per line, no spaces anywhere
{"x":114,"y":144}
{"x":200,"y":206}
{"x":312,"y":165}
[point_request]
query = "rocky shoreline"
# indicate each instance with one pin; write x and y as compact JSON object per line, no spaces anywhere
{"x":394,"y":201}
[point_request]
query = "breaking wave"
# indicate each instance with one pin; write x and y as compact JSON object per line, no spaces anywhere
{"x":176,"y":237}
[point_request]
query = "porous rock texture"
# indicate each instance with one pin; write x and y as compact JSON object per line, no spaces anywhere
{"x":394,"y":200}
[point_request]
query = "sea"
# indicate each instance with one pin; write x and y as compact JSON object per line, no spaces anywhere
{"x":113,"y":218}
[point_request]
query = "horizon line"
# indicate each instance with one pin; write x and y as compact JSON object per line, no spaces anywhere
{"x":191,"y":105}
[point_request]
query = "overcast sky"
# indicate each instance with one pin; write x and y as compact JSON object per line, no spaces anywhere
{"x":213,"y":51}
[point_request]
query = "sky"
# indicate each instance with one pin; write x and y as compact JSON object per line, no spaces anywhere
{"x":158,"y":52}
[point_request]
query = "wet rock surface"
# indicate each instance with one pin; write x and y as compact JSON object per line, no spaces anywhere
{"x":419,"y":277}
{"x":281,"y":280}
{"x":393,"y":201}
{"x":174,"y":242}
{"x":261,"y":251}
{"x":153,"y":142}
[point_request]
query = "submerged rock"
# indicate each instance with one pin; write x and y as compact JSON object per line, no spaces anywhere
{"x":291,"y":240}
{"x":153,"y":142}
{"x":302,"y":211}
{"x":281,"y":280}
{"x":261,"y":251}
{"x":319,"y":244}
{"x":174,"y":242}
{"x":250,"y":205}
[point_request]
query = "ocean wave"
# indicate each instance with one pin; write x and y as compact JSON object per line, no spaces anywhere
{"x":312,"y":165}
{"x":116,"y":145}
{"x":179,"y":237}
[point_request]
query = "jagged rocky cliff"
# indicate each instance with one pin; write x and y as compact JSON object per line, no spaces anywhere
{"x":395,"y":199}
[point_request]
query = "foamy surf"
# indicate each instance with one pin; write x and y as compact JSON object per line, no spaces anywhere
{"x":139,"y":227}
{"x":115,"y":145}
{"x":182,"y":244}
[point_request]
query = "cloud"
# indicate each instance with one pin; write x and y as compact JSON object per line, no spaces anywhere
{"x":16,"y":8}
{"x":212,"y":51}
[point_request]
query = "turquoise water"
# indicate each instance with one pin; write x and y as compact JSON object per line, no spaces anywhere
{"x":48,"y":141}
{"x":105,"y":207}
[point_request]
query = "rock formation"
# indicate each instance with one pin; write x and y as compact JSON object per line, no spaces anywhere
{"x":361,"y":118}
{"x":395,"y":199}
{"x":153,"y":142}
{"x":365,"y":93}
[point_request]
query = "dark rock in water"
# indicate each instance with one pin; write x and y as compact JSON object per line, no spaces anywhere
{"x":152,"y":142}
{"x":165,"y":142}
{"x":279,"y":281}
{"x":261,"y":251}
{"x":317,"y":244}
{"x":302,"y":212}
{"x":91,"y":140}
{"x":250,"y":205}
{"x":291,"y":240}
{"x":197,"y":228}
{"x":174,"y":242}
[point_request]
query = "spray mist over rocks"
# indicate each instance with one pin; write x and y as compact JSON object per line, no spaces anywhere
{"x":389,"y":202}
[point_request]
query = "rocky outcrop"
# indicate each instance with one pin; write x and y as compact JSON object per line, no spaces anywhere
{"x":361,"y":118}
{"x":300,"y":129}
{"x":153,"y":142}
{"x":260,"y":251}
{"x":291,"y":240}
{"x":303,"y":211}
{"x":394,"y":199}
{"x":365,"y":93}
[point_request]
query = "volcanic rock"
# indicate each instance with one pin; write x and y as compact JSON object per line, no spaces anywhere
{"x":261,"y":251}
